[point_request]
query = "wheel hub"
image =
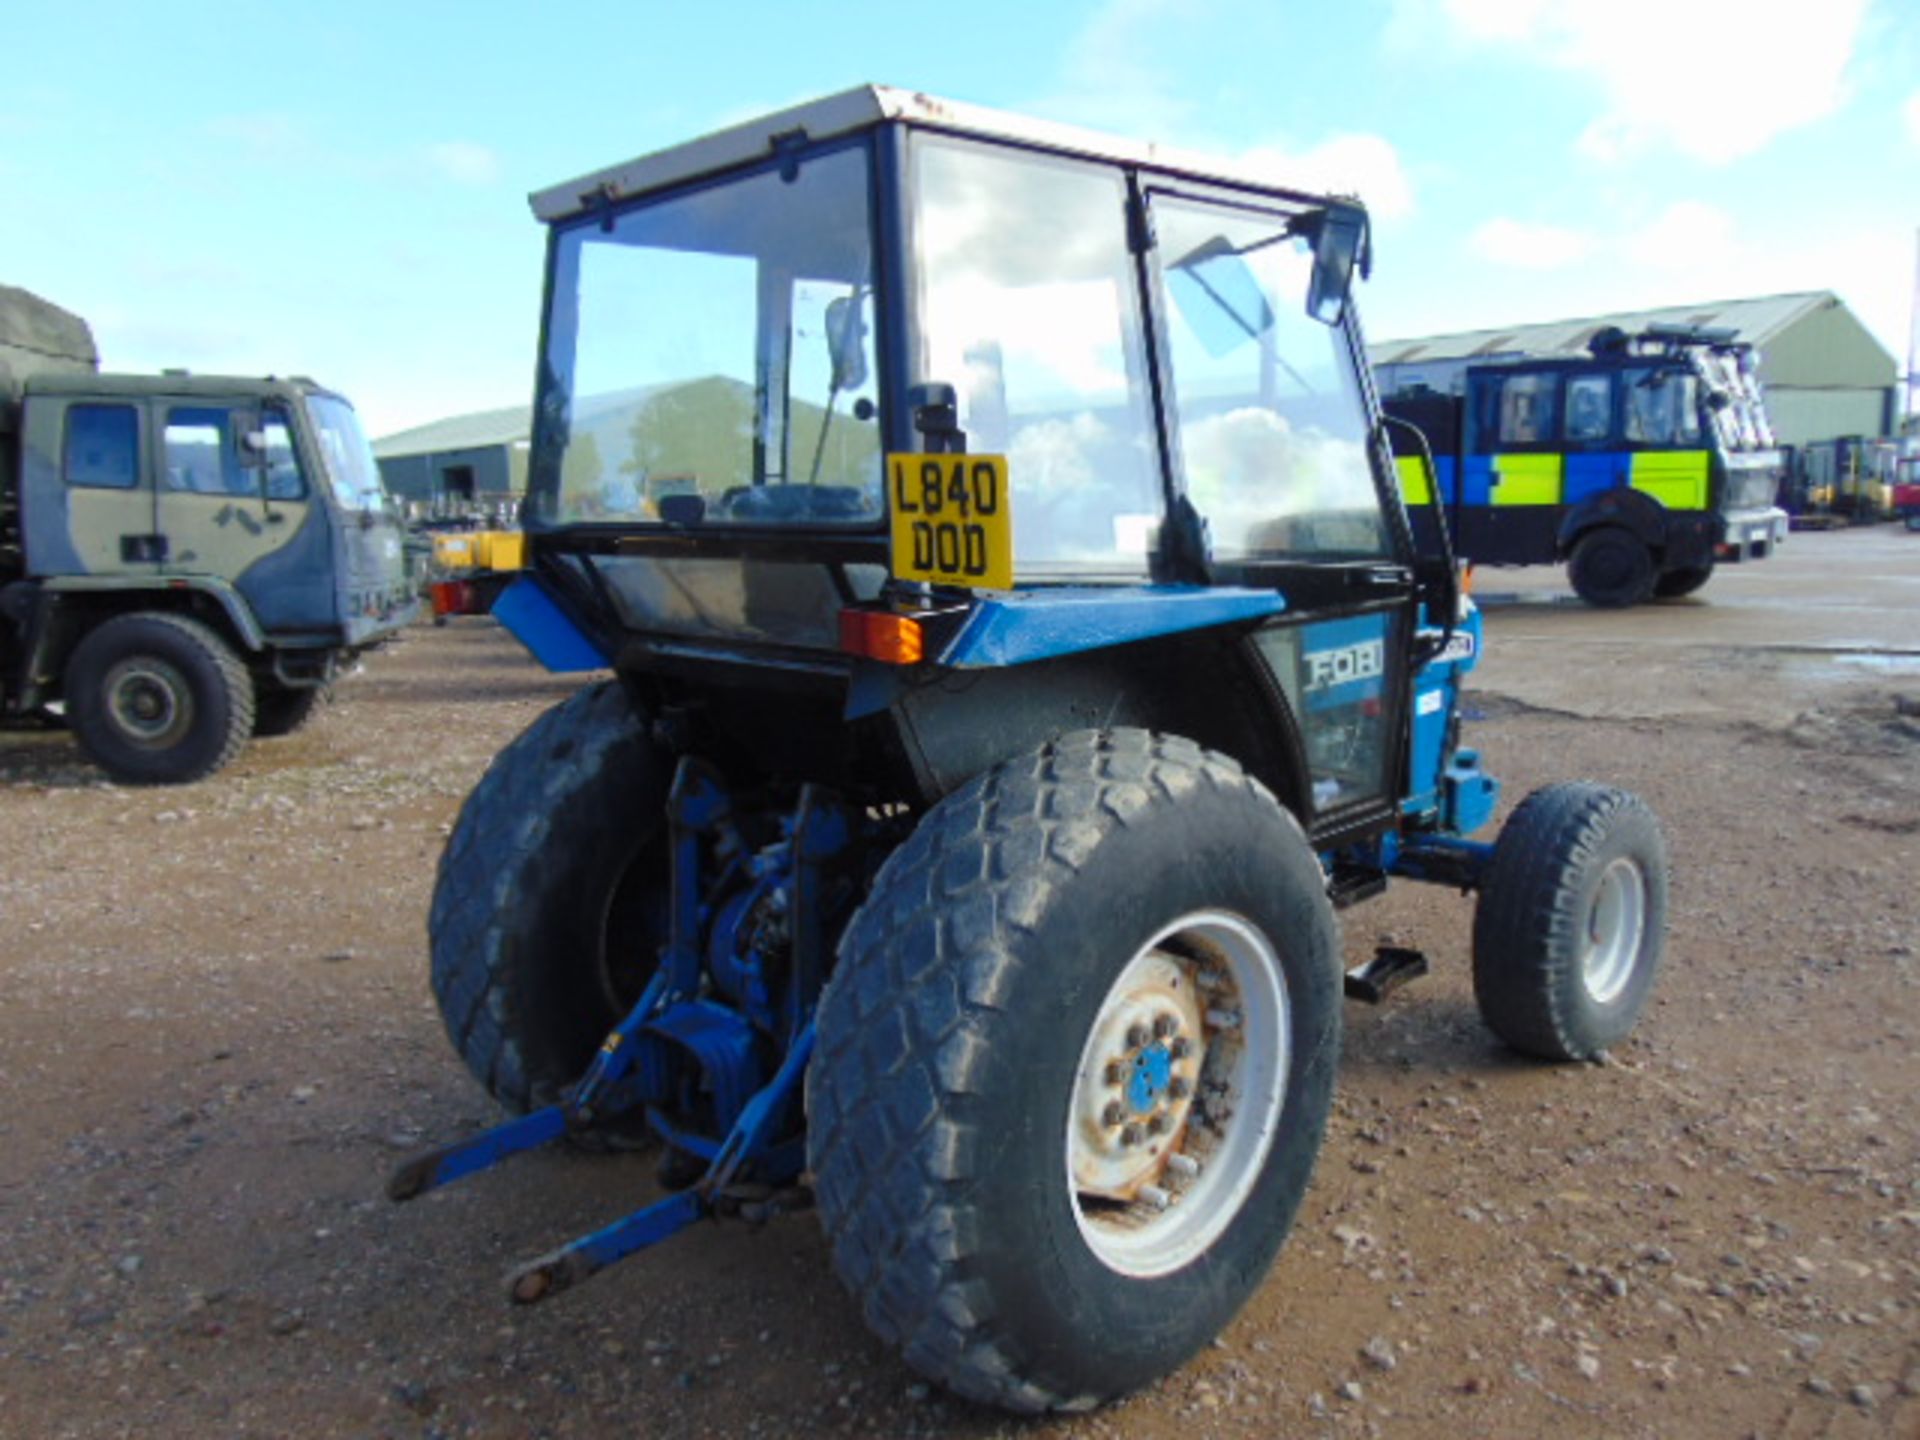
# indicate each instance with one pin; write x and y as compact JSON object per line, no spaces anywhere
{"x":148,"y":701}
{"x":1616,"y":926}
{"x":1178,"y":1095}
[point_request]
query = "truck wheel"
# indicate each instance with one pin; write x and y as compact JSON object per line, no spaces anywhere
{"x":1611,"y":568}
{"x":551,"y":897}
{"x":278,"y":710}
{"x":1074,"y":1066}
{"x":1571,"y":921}
{"x":1672,"y":584}
{"x":158,"y":699}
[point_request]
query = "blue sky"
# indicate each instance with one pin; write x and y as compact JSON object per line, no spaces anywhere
{"x":339,"y":190}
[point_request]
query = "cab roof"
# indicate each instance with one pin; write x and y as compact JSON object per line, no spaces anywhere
{"x":226,"y":387}
{"x":865,"y":107}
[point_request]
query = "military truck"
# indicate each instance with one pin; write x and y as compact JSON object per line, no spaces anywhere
{"x":185,"y":560}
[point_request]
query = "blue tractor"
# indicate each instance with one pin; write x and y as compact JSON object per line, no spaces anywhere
{"x":1019,"y":656}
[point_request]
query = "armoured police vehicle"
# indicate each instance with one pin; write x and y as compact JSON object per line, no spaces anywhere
{"x":1019,"y":655}
{"x":1640,"y":465}
{"x":185,"y":560}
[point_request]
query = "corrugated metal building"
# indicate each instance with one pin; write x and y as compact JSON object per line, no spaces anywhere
{"x":479,"y":457}
{"x":1825,"y":375}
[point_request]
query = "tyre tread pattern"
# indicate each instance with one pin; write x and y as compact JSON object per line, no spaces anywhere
{"x":892,"y":1137}
{"x":500,"y":847}
{"x":1527,"y":926}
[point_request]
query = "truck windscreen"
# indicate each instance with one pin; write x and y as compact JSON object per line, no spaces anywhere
{"x":347,"y":456}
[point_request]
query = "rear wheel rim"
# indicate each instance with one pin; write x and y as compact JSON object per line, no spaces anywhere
{"x":149,"y":702}
{"x":1178,"y":1095}
{"x":1616,"y":924}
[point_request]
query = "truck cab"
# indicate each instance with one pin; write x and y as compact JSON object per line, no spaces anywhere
{"x":187,"y":559}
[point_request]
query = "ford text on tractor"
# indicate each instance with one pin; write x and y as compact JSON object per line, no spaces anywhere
{"x":1019,"y":656}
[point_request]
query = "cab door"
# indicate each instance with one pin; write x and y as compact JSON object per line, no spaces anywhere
{"x":1267,"y":414}
{"x":233,"y":503}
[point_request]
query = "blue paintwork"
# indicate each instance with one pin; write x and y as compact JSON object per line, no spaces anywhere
{"x":476,"y":1153}
{"x":1152,"y":1069}
{"x":532,"y":616}
{"x":1441,"y":858}
{"x":1446,"y":475}
{"x":1469,"y":794}
{"x":1476,"y":479}
{"x":1591,"y":473}
{"x":720,"y":1043}
{"x":1031,"y":625}
{"x":1436,"y":696}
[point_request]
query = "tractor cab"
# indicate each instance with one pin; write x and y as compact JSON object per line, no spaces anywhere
{"x":883,"y":386}
{"x":1018,"y":655}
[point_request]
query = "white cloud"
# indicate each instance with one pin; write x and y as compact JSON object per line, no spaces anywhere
{"x":1686,"y":235}
{"x":1714,"y":79}
{"x":464,"y":162}
{"x":1527,"y":246}
{"x":1110,"y":75}
{"x":1363,"y":165}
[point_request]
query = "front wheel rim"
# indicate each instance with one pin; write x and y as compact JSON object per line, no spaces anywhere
{"x":149,"y":701}
{"x":1616,"y":925}
{"x":1178,"y":1095}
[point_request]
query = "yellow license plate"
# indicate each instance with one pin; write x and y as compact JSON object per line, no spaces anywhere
{"x":952,"y":520}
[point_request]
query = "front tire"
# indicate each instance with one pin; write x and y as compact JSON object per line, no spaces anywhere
{"x":1571,"y":921}
{"x":158,"y":699}
{"x":550,"y":897}
{"x":1611,"y":568}
{"x":1074,"y":1067}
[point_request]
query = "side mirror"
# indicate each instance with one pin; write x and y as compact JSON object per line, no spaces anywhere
{"x":1338,"y":248}
{"x":847,"y":342}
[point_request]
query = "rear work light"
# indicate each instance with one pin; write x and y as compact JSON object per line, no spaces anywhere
{"x":883,"y":636}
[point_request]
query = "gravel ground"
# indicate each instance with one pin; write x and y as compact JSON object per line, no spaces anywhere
{"x":217,"y":1037}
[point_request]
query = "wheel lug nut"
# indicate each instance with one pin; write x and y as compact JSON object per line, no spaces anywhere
{"x":1114,"y":1073}
{"x":1223,"y":1019}
{"x":1178,"y":1088}
{"x":1136,"y":1036}
{"x":1183,"y":1165}
{"x":1163,"y":1026}
{"x":1113,"y":1114}
{"x":1156,"y":1125}
{"x":1130,"y":1135}
{"x":1155,"y":1196}
{"x":1181,"y":1048}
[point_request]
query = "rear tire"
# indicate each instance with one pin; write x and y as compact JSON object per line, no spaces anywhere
{"x":1611,"y":568}
{"x":550,"y":897}
{"x":158,"y":699}
{"x":1672,"y":584}
{"x":1571,"y":922}
{"x":278,"y":710}
{"x":993,"y":1029}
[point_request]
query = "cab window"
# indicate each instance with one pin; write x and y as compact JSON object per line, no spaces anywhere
{"x":1589,"y":409}
{"x":1267,"y":408}
{"x":102,"y":447}
{"x":1527,"y":410}
{"x":1662,"y":407}
{"x":202,"y":457}
{"x":284,"y":478}
{"x":1029,"y":308}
